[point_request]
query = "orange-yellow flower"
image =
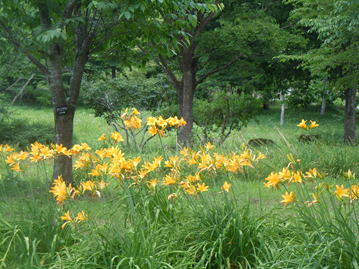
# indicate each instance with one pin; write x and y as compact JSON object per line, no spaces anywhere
{"x":10,"y":160}
{"x":313,"y":124}
{"x":172,"y":196}
{"x":88,"y":185}
{"x":102,"y":137}
{"x":169,"y":180}
{"x":162,"y":132}
{"x":116,"y":136}
{"x":16,"y":167}
{"x":260,"y":156}
{"x":133,"y":122}
{"x":60,"y":149}
{"x":209,"y":146}
{"x":151,"y":121}
{"x":67,"y":218}
{"x":341,"y":191}
{"x":288,"y":198}
{"x":135,"y":111}
{"x":202,"y":187}
{"x":303,"y":125}
{"x":7,"y":148}
{"x":184,"y":152}
{"x":273,"y":180}
{"x":181,"y":122}
{"x":313,"y":173}
{"x":152,"y":130}
{"x":191,"y":190}
{"x":296,"y":177}
{"x":161,"y":122}
{"x":226,"y":186}
{"x":85,"y":147}
{"x":194,"y":178}
{"x":81,"y":216}
{"x":354,"y":192}
{"x":153,"y":183}
{"x":59,"y":190}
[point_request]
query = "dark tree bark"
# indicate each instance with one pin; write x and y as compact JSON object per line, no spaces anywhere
{"x":265,"y":105}
{"x":349,"y":117}
{"x":63,"y":123}
{"x":188,"y":86}
{"x":323,"y":106}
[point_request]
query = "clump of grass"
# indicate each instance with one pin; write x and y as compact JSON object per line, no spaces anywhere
{"x":33,"y":237}
{"x":222,"y":234}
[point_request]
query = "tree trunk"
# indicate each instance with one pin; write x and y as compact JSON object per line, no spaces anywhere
{"x":64,"y":134}
{"x":282,"y":109}
{"x":113,"y":72}
{"x":349,"y":117}
{"x":265,"y":105}
{"x":323,"y":106}
{"x":186,"y":95}
{"x":63,"y":116}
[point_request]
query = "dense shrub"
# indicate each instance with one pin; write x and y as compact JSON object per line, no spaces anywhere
{"x":107,"y":96}
{"x":21,"y":133}
{"x":220,"y":114}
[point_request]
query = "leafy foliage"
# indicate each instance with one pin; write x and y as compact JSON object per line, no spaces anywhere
{"x":219,"y":114}
{"x":336,"y":24}
{"x":132,"y":89}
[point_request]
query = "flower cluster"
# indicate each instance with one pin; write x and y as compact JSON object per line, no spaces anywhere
{"x":131,"y":119}
{"x":39,"y":152}
{"x":62,"y":192}
{"x":81,"y":216}
{"x":159,"y":125}
{"x":111,"y":162}
{"x":312,"y":125}
{"x":290,"y":175}
{"x":352,"y":192}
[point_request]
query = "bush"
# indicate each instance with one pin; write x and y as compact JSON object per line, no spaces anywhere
{"x":220,"y":114}
{"x":109,"y":96}
{"x":21,"y":133}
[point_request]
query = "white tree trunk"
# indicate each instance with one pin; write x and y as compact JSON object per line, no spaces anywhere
{"x":282,"y":109}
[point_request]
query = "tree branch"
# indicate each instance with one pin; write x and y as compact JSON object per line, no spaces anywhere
{"x":168,"y":70}
{"x":70,"y":6}
{"x":218,"y":69}
{"x":10,"y":36}
{"x":22,"y":89}
{"x":203,"y":22}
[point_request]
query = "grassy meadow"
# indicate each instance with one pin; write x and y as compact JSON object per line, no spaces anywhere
{"x":142,"y":222}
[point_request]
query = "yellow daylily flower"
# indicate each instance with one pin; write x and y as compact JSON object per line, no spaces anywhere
{"x":288,"y":198}
{"x":226,"y":186}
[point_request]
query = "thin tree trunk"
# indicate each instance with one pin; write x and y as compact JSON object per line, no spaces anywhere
{"x":323,"y":106}
{"x":113,"y":72}
{"x":22,"y":89}
{"x":282,"y":109}
{"x":349,"y":117}
{"x":265,"y":105}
